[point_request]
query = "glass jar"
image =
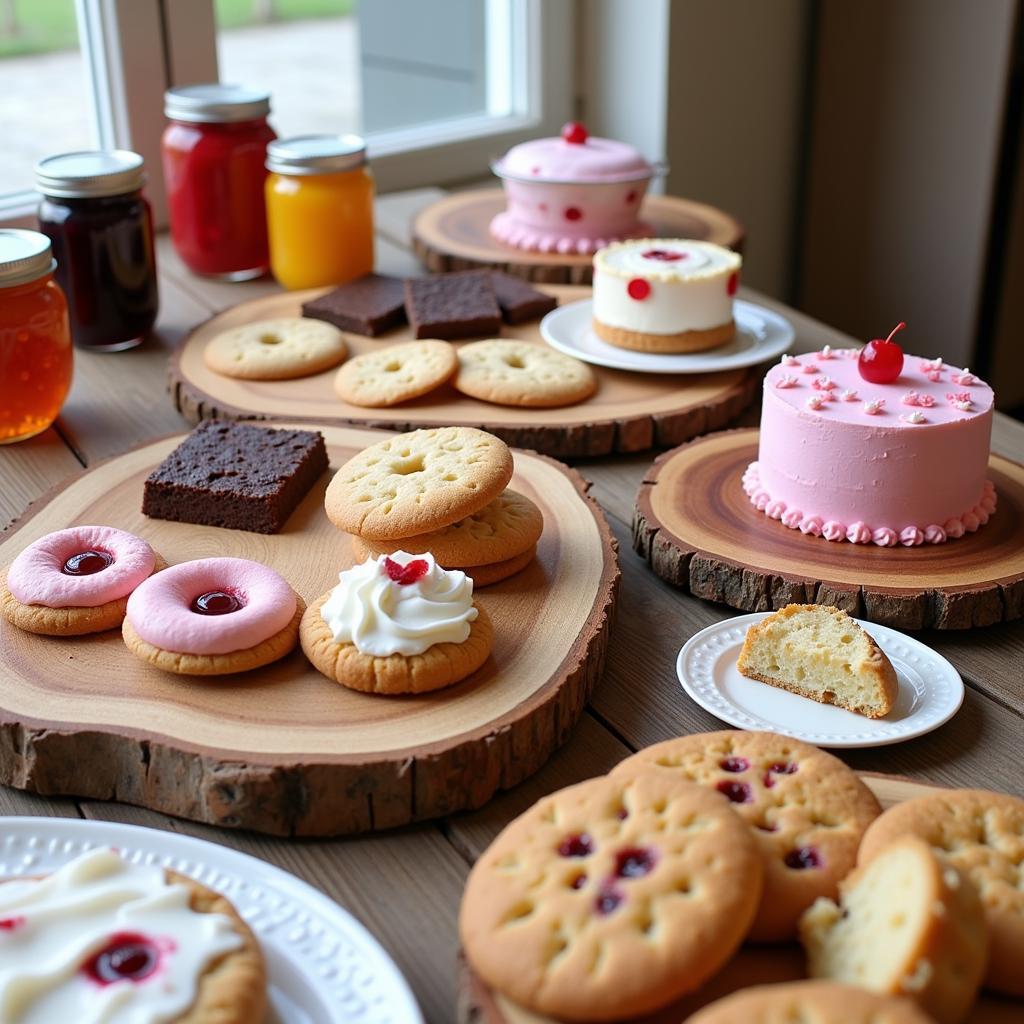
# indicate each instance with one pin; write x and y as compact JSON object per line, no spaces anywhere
{"x":35,"y":339}
{"x":319,"y":210}
{"x":101,"y":228}
{"x":214,"y":155}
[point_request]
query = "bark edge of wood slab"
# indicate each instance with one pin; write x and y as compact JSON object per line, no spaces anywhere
{"x":697,"y":528}
{"x":282,"y":750}
{"x":630,"y":412}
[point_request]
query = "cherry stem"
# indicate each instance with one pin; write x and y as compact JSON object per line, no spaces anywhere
{"x":898,"y":327}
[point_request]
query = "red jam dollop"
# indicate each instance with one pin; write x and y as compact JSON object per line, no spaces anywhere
{"x":803,"y":858}
{"x":411,"y":572}
{"x":87,"y":563}
{"x":737,"y":792}
{"x":608,"y":899}
{"x":734,"y":764}
{"x":634,"y":862}
{"x":128,"y":956}
{"x":216,"y":602}
{"x":580,"y":845}
{"x":665,"y":255}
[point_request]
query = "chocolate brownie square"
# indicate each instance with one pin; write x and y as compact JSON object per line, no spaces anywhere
{"x":235,"y":475}
{"x":369,"y":305}
{"x":518,"y":300}
{"x":459,"y":305}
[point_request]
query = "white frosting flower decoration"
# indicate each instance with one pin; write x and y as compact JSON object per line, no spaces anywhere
{"x":848,"y":395}
{"x":816,"y":402}
{"x":959,"y":400}
{"x":914,"y":398}
{"x":826,"y":353}
{"x":788,"y":360}
{"x":914,"y":417}
{"x":874,"y":407}
{"x":930,"y":365}
{"x":786,"y":381}
{"x":964,"y":378}
{"x":823,"y":383}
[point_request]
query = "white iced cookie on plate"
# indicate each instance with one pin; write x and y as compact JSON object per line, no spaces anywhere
{"x":105,"y":940}
{"x":665,"y":295}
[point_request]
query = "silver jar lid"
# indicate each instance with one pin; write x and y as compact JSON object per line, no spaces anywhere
{"x":316,"y":154}
{"x":90,"y":174}
{"x":216,"y":103}
{"x":24,"y":256}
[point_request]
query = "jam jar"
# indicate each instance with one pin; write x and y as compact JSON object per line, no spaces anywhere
{"x":35,"y":339}
{"x":101,"y":228}
{"x":319,"y":210}
{"x":214,"y":151}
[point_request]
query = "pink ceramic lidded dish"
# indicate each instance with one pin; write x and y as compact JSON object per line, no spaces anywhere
{"x":572,"y":194}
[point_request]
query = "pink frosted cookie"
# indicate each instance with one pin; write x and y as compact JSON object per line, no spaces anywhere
{"x":213,"y":616}
{"x":76,"y":580}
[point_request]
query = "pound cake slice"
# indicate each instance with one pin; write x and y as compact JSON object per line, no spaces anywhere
{"x":819,"y":652}
{"x":906,"y":924}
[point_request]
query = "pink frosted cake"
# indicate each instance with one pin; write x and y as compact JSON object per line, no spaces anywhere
{"x":902,"y":461}
{"x":572,"y":194}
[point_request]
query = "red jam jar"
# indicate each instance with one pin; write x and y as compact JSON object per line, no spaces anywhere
{"x":214,"y":149}
{"x":35,"y":339}
{"x":101,"y":228}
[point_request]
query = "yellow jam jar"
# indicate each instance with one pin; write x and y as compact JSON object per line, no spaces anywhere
{"x":319,"y":210}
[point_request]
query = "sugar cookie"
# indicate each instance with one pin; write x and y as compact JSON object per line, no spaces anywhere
{"x":276,"y":349}
{"x":519,"y":373}
{"x":395,"y":374}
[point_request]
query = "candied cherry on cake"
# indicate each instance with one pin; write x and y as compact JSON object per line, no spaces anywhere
{"x":573,"y":132}
{"x":411,"y":572}
{"x":127,"y":956}
{"x":87,"y":563}
{"x":881,"y":361}
{"x":638,"y":288}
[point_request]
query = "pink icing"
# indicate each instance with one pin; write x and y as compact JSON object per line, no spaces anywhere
{"x":555,"y":159}
{"x":159,"y":610}
{"x":833,"y":531}
{"x":859,"y":533}
{"x":35,"y":576}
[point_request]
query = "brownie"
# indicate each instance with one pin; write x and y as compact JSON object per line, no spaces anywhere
{"x":235,"y":475}
{"x":459,"y":305}
{"x":518,"y":300}
{"x":369,"y":305}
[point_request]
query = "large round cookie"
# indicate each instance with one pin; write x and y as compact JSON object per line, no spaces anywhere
{"x":809,"y":1002}
{"x":807,"y":810}
{"x":502,"y":529}
{"x":418,"y":482}
{"x":611,"y":898}
{"x":982,"y":834}
{"x":395,"y":374}
{"x":508,"y":372}
{"x":280,"y":349}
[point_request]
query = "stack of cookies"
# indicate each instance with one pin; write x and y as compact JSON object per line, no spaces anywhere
{"x":621,"y":895}
{"x":443,"y":492}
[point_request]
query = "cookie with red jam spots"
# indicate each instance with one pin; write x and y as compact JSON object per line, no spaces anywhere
{"x":806,"y":809}
{"x":611,"y":898}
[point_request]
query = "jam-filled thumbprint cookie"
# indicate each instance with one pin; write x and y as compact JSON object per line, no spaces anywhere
{"x":397,"y":623}
{"x":76,"y":581}
{"x":102,"y":939}
{"x":212,"y":617}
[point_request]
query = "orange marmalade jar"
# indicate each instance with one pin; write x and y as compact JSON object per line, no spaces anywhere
{"x":35,"y":336}
{"x":319,"y":210}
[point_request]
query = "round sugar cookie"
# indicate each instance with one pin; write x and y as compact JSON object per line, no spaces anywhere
{"x":611,"y":898}
{"x":810,"y":1002}
{"x":437,"y":667}
{"x":276,"y":349}
{"x":481,"y":575}
{"x":395,"y":374}
{"x":508,"y":372}
{"x":982,"y":834}
{"x":806,"y":809}
{"x":418,"y":482}
{"x":502,"y":529}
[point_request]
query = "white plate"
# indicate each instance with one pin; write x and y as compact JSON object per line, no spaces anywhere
{"x":931,"y":690}
{"x":761,"y":334}
{"x":324,"y":967}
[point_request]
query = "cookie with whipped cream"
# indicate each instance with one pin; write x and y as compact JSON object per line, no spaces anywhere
{"x":665,"y":295}
{"x":106,"y":939}
{"x":397,"y":624}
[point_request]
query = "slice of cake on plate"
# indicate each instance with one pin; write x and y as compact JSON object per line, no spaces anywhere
{"x":819,"y":652}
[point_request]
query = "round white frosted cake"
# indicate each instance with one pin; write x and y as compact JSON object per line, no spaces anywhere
{"x":902,"y":462}
{"x":665,"y":294}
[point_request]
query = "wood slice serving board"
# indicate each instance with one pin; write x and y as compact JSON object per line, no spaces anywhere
{"x":696,"y":526}
{"x":752,"y":965}
{"x":630,"y":411}
{"x":282,"y":749}
{"x":454,"y":234}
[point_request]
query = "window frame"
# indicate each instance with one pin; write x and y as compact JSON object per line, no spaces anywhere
{"x":133,"y":50}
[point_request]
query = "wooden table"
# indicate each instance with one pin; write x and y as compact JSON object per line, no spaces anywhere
{"x":406,"y":885}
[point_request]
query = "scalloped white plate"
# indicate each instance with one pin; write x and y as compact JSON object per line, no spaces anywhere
{"x":931,"y":690}
{"x":761,"y":334}
{"x":324,"y":967}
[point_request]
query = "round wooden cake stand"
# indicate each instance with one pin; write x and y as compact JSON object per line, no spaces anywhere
{"x":282,"y":749}
{"x":629,"y":412}
{"x":454,"y":234}
{"x":698,"y":529}
{"x":752,"y":965}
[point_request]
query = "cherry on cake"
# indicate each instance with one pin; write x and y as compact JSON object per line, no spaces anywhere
{"x":886,"y":450}
{"x":665,"y":295}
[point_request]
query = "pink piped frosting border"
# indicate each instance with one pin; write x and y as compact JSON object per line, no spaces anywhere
{"x":508,"y":229}
{"x":863,"y":533}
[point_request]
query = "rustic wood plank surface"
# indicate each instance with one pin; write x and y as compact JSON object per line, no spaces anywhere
{"x":405,"y":884}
